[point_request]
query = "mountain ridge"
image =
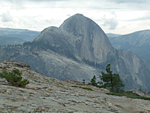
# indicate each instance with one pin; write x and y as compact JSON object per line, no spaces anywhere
{"x":79,"y":54}
{"x":10,"y":36}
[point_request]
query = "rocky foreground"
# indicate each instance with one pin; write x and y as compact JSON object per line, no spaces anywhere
{"x":45,"y":95}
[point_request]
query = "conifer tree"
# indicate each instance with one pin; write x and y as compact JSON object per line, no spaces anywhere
{"x":111,"y":81}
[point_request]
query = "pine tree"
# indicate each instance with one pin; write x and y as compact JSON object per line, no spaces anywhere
{"x":93,"y":81}
{"x":111,"y":81}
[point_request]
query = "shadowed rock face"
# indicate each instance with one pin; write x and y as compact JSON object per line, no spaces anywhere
{"x":77,"y":50}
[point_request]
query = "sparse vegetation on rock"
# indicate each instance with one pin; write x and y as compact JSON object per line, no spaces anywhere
{"x":14,"y":78}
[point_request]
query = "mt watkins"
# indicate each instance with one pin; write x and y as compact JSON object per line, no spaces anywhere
{"x":77,"y":50}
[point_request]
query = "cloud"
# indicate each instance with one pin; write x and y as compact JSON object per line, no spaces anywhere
{"x":15,"y":1}
{"x":6,"y":17}
{"x":146,"y":18}
{"x":38,"y":14}
{"x":141,"y":19}
{"x":132,"y":4}
{"x":130,"y":1}
{"x":47,"y":0}
{"x":110,"y":23}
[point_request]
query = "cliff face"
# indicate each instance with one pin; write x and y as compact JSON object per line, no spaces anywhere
{"x":46,"y":94}
{"x":137,"y":42}
{"x":77,"y":50}
{"x":91,"y":42}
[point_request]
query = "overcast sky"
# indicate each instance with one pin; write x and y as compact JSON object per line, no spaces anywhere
{"x":114,"y":16}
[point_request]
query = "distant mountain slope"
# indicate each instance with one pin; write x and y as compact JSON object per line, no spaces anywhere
{"x":10,"y":36}
{"x":77,"y":50}
{"x":137,"y":42}
{"x":10,"y":40}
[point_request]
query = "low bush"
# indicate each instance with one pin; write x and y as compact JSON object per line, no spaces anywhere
{"x":14,"y":78}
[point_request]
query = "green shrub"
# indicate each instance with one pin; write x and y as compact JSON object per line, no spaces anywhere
{"x":14,"y":78}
